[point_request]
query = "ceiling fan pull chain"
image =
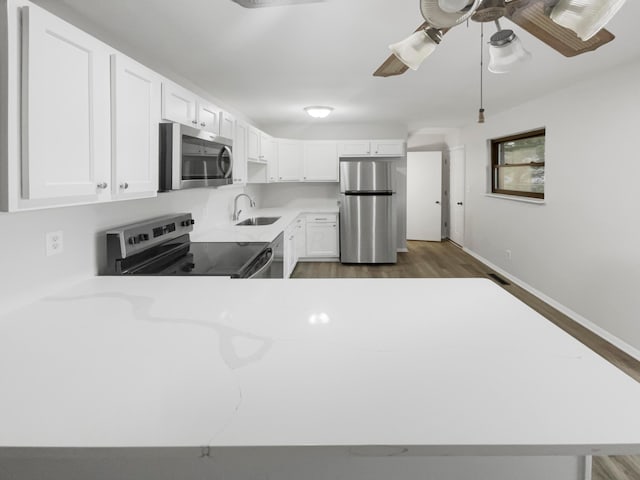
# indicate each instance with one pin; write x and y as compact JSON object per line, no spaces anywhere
{"x":481,"y":111}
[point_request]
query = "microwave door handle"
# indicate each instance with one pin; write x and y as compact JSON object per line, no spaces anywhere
{"x":266,"y":265}
{"x":226,"y":173}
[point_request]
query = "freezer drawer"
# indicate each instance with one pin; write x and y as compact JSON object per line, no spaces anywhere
{"x":367,"y":229}
{"x":366,"y":176}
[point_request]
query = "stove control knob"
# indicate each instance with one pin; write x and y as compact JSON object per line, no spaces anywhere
{"x":143,"y":237}
{"x":133,"y":240}
{"x":188,"y":267}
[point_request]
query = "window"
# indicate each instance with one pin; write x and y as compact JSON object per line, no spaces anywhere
{"x":517,"y":164}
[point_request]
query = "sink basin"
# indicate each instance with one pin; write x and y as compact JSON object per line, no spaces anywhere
{"x":256,"y":221}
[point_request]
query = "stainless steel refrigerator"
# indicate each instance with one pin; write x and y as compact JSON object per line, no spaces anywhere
{"x":367,"y":212}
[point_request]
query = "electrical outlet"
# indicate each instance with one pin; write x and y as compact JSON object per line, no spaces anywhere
{"x":54,"y":243}
{"x":507,"y":254}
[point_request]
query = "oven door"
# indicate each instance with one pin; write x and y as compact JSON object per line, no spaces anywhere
{"x":192,"y":158}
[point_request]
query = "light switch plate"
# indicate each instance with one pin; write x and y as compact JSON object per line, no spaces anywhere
{"x":54,"y":243}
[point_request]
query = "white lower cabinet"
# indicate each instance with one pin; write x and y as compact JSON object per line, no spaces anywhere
{"x":135,"y":114}
{"x":322,"y":235}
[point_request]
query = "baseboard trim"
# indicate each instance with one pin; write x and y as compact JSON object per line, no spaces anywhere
{"x":576,"y":317}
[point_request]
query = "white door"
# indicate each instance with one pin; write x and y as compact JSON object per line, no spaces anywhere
{"x":135,"y":116}
{"x":65,"y":110}
{"x":289,"y":161}
{"x":424,"y":196}
{"x":320,"y":162}
{"x":208,"y":117}
{"x":456,"y":197}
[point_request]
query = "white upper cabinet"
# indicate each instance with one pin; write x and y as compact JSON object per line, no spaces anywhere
{"x":183,"y":106}
{"x":371,"y":148}
{"x":208,"y":117}
{"x":227,"y":125}
{"x":387,"y":148}
{"x":253,"y":144}
{"x":290,"y":160}
{"x":65,"y":110}
{"x":354,"y":148}
{"x":240,"y":154}
{"x":179,"y":104}
{"x":135,"y":114}
{"x":320,"y":162}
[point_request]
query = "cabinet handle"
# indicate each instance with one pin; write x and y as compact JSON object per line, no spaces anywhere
{"x":334,"y":225}
{"x":124,"y":185}
{"x":102,"y":185}
{"x":194,"y":122}
{"x":291,"y":237}
{"x":459,"y":203}
{"x":437,"y":202}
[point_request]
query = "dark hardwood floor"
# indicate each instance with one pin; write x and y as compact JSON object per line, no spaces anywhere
{"x":447,"y":260}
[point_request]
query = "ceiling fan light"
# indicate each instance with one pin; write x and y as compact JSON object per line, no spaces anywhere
{"x":414,"y":49}
{"x":452,"y":6}
{"x":318,"y":111}
{"x":506,"y":52}
{"x":585,"y":17}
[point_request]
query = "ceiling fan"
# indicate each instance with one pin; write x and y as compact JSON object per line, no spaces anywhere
{"x":571,"y":27}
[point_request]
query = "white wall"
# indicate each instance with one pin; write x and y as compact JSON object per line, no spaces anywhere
{"x":581,"y":248}
{"x":27,"y":272}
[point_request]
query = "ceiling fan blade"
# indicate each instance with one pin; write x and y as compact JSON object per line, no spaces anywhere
{"x":530,"y":15}
{"x":392,"y":65}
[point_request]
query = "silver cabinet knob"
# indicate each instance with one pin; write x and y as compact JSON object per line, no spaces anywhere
{"x":102,"y":185}
{"x":459,"y":203}
{"x":437,"y":202}
{"x":203,"y":124}
{"x":124,"y":185}
{"x":194,"y":122}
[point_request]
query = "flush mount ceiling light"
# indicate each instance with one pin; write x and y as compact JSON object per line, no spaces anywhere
{"x":571,"y":27}
{"x":585,"y":17}
{"x":506,"y":52}
{"x":318,"y":111}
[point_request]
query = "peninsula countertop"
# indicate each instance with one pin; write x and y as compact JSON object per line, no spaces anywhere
{"x":436,"y":365}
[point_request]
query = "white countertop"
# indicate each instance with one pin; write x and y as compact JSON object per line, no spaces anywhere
{"x":438,"y":365}
{"x":230,"y":232}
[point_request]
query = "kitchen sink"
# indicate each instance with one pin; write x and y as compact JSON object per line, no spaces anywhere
{"x":256,"y":221}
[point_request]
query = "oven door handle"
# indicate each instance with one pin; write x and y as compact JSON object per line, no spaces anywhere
{"x":226,"y":173}
{"x":266,"y":265}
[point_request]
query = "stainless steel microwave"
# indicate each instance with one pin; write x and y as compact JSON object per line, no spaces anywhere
{"x":192,"y":158}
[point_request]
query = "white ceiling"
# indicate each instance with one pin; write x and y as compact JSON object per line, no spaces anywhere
{"x":269,"y":63}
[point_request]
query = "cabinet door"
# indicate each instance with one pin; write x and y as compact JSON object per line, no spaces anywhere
{"x":290,"y":250}
{"x":65,"y":110}
{"x":208,"y":117}
{"x":387,"y":148}
{"x":290,"y":154}
{"x":268,"y":155}
{"x":253,"y":144}
{"x":178,"y":104}
{"x":320,"y":162}
{"x":301,"y":238}
{"x":240,"y":154}
{"x":227,"y":125}
{"x":135,"y":114}
{"x":322,"y":239}
{"x":354,"y":148}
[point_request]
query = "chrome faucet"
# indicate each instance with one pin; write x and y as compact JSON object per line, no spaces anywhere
{"x":236,"y":212}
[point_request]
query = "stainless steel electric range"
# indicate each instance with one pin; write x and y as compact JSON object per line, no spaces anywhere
{"x":162,"y":246}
